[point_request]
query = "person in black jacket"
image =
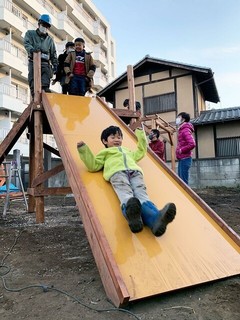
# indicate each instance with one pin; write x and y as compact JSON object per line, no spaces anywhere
{"x":60,"y":74}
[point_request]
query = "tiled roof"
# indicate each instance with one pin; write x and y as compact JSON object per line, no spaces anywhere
{"x":217,"y":115}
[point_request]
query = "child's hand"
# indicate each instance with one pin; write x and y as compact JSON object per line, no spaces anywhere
{"x":80,"y":144}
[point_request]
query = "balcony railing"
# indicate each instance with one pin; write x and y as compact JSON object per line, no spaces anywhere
{"x":16,"y":51}
{"x":13,"y":91}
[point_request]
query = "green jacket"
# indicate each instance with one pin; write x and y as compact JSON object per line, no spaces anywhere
{"x":35,"y":41}
{"x":114,"y":159}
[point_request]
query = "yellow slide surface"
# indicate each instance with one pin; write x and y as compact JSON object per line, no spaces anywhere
{"x":196,"y":248}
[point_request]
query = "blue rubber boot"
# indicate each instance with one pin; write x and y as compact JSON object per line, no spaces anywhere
{"x":157,"y":220}
{"x":132,"y":212}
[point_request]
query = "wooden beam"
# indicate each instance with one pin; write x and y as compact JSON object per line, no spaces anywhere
{"x":34,"y":192}
{"x":47,"y":174}
{"x":51,"y":149}
{"x":125,"y":113}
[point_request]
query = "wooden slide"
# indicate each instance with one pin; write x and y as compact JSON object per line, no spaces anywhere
{"x":198,"y":246}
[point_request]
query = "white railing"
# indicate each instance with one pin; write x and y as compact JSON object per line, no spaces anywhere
{"x":13,"y":91}
{"x":14,"y":50}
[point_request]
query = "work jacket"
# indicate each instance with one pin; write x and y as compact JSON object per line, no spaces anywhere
{"x":35,"y":41}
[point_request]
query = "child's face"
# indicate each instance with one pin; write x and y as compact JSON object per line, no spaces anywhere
{"x":153,"y":136}
{"x":79,"y":46}
{"x":114,"y":140}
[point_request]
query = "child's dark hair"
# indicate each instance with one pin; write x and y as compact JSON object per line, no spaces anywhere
{"x":137,"y":104}
{"x":79,"y":40}
{"x":185,"y":116}
{"x":156,"y":132}
{"x":108,"y":131}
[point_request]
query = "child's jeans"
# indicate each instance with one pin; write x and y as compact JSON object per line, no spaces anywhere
{"x":77,"y":86}
{"x":128,"y":184}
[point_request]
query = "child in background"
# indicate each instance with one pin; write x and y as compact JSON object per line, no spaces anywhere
{"x":120,"y":168}
{"x":60,"y":74}
{"x":79,"y":68}
{"x":157,"y":145}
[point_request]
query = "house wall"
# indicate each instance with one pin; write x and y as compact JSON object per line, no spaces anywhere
{"x":206,"y":136}
{"x":228,"y":129}
{"x":161,"y":83}
{"x":185,"y":102}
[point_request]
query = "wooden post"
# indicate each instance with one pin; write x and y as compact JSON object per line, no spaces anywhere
{"x":37,"y":76}
{"x":38,"y":134}
{"x":36,"y":141}
{"x":172,"y":154}
{"x":131,"y":88}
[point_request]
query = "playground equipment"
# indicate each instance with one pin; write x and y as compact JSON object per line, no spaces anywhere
{"x":198,"y":246}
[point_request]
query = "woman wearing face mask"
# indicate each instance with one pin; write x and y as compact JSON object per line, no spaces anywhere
{"x":39,"y":41}
{"x":185,"y":145}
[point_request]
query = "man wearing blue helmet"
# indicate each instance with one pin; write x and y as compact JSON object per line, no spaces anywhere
{"x":39,"y":41}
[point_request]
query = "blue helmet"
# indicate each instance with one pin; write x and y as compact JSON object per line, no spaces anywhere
{"x":46,"y":19}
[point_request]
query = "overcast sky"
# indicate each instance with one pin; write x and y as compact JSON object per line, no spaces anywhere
{"x":205,"y":33}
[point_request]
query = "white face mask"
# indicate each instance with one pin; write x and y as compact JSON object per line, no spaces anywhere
{"x":42,"y":29}
{"x":178,"y":121}
{"x":70,"y":50}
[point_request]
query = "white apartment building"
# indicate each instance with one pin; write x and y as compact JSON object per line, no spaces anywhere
{"x":70,"y":19}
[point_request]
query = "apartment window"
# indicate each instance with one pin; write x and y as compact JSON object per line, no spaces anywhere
{"x":25,"y":21}
{"x":112,"y":70}
{"x":16,"y":12}
{"x":160,"y":104}
{"x":227,"y":147}
{"x":112,"y":49}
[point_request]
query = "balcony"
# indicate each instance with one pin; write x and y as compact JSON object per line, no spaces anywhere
{"x":100,"y":56}
{"x":14,"y":58}
{"x":82,"y":17}
{"x":11,"y":98}
{"x":11,"y":17}
{"x":100,"y":80}
{"x":99,"y":31}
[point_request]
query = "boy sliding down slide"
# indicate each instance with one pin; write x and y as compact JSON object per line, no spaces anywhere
{"x":120,"y":168}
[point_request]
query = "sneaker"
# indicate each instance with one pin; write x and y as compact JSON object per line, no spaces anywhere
{"x":167,"y":214}
{"x":133,"y":215}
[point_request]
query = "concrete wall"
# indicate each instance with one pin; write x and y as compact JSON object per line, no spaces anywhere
{"x":215,"y":173}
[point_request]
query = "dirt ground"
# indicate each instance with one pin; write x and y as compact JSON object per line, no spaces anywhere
{"x":48,"y":272}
